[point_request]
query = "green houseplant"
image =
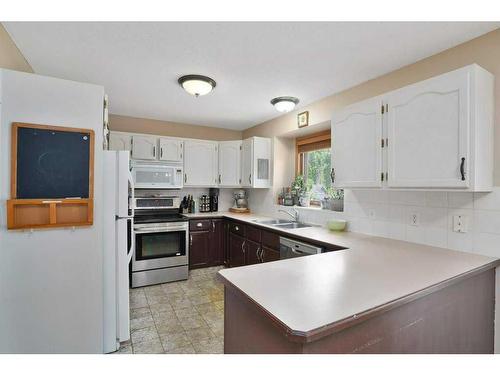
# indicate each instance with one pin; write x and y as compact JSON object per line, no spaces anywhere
{"x":335,"y":199}
{"x":300,"y":189}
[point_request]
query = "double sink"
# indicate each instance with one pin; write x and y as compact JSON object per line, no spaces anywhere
{"x":283,"y":224}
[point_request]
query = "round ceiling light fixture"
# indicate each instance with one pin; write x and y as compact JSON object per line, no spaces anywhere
{"x":196,"y":84}
{"x":284,"y":103}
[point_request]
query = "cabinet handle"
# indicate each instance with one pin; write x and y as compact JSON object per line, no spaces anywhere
{"x":154,"y":151}
{"x":185,"y":177}
{"x":161,"y":152}
{"x":213,"y":226}
{"x":190,"y":240}
{"x":219,"y":179}
{"x":199,"y":225}
{"x":243,"y":247}
{"x":462,"y":169}
{"x":257,"y":253}
{"x":236,"y":228}
{"x":332,"y":175}
{"x":250,"y":179}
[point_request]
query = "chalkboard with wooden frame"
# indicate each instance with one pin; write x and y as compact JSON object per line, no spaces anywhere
{"x":52,"y":179}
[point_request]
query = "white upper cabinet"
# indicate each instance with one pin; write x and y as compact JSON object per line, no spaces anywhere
{"x":200,"y":163}
{"x":171,"y":149}
{"x":440,"y":132}
{"x":435,"y":134}
{"x":356,"y":145}
{"x":144,"y":147}
{"x":120,"y":141}
{"x":230,"y":163}
{"x":206,"y":163}
{"x":256,"y":162}
{"x":246,"y":162}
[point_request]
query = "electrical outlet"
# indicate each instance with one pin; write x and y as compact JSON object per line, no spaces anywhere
{"x":415,"y":219}
{"x":460,"y":223}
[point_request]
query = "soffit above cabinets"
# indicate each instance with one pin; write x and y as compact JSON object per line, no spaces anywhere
{"x":139,"y":63}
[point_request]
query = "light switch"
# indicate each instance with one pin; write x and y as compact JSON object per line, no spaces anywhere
{"x":460,"y":223}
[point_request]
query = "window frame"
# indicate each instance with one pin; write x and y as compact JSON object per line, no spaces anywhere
{"x":312,"y":142}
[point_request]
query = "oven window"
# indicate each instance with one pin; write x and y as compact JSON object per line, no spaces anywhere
{"x":160,"y":245}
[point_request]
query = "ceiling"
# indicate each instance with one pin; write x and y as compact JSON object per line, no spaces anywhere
{"x":139,"y":63}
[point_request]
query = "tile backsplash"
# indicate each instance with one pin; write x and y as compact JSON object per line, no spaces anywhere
{"x":225,"y":196}
{"x":391,"y":214}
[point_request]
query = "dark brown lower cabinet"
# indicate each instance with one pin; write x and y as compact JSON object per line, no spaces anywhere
{"x":247,"y":244}
{"x":269,"y":255}
{"x":206,"y":243}
{"x":236,"y":250}
{"x":199,"y":243}
{"x":216,"y":239}
{"x":252,"y":252}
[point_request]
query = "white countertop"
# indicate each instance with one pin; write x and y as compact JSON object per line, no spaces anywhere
{"x":308,"y":293}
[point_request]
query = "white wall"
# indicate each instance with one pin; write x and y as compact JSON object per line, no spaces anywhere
{"x":51,"y":297}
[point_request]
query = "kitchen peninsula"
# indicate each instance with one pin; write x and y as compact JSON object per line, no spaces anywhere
{"x":378,"y":296}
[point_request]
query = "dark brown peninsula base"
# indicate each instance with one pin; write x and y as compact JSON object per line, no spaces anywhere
{"x":456,"y":316}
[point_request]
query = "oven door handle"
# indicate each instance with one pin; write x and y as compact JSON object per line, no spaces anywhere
{"x":141,"y":231}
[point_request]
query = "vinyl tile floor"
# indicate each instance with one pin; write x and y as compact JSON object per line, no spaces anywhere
{"x":182,"y":317}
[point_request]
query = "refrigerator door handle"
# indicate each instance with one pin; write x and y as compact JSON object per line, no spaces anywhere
{"x":131,"y":249}
{"x":131,"y":200}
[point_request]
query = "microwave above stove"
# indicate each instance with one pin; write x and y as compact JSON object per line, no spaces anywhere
{"x":157,"y":176}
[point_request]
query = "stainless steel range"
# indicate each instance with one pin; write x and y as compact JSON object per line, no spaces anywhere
{"x":161,"y":241}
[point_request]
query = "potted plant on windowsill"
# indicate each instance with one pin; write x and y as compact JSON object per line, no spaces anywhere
{"x":335,"y":199}
{"x":301,"y":191}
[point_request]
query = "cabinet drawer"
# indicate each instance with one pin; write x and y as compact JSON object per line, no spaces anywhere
{"x":253,"y":233}
{"x":270,"y":240}
{"x":237,"y":228}
{"x":199,"y":225}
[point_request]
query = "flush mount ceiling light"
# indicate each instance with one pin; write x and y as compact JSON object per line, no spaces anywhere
{"x":197,"y":85}
{"x":284,"y":103}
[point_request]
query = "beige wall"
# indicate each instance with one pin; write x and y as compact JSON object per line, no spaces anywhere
{"x":10,"y":56}
{"x":484,"y":51}
{"x":172,"y":129}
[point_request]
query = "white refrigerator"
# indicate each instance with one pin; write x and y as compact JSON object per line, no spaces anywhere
{"x":118,"y":247}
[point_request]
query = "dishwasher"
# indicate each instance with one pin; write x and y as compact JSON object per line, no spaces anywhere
{"x":292,"y":249}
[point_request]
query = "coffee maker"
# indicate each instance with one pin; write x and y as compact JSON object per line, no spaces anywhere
{"x":214,"y":199}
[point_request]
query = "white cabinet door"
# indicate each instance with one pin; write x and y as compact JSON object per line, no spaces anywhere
{"x":261,"y":176}
{"x":256,"y":162}
{"x":171,"y":149}
{"x":230,"y":163}
{"x":356,"y":145}
{"x":200,"y":163}
{"x":428,"y":133}
{"x":120,"y":141}
{"x":144,"y":147}
{"x":247,"y":162}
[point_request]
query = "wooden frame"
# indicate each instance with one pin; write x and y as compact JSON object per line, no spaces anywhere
{"x":320,"y":138}
{"x":49,"y":212}
{"x":303,"y":116}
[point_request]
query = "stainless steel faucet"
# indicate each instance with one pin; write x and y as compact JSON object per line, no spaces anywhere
{"x":294,"y":215}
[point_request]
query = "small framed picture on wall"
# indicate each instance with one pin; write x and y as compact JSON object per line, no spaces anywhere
{"x":303,"y":119}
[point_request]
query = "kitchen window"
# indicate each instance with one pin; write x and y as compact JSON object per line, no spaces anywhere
{"x":313,"y":161}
